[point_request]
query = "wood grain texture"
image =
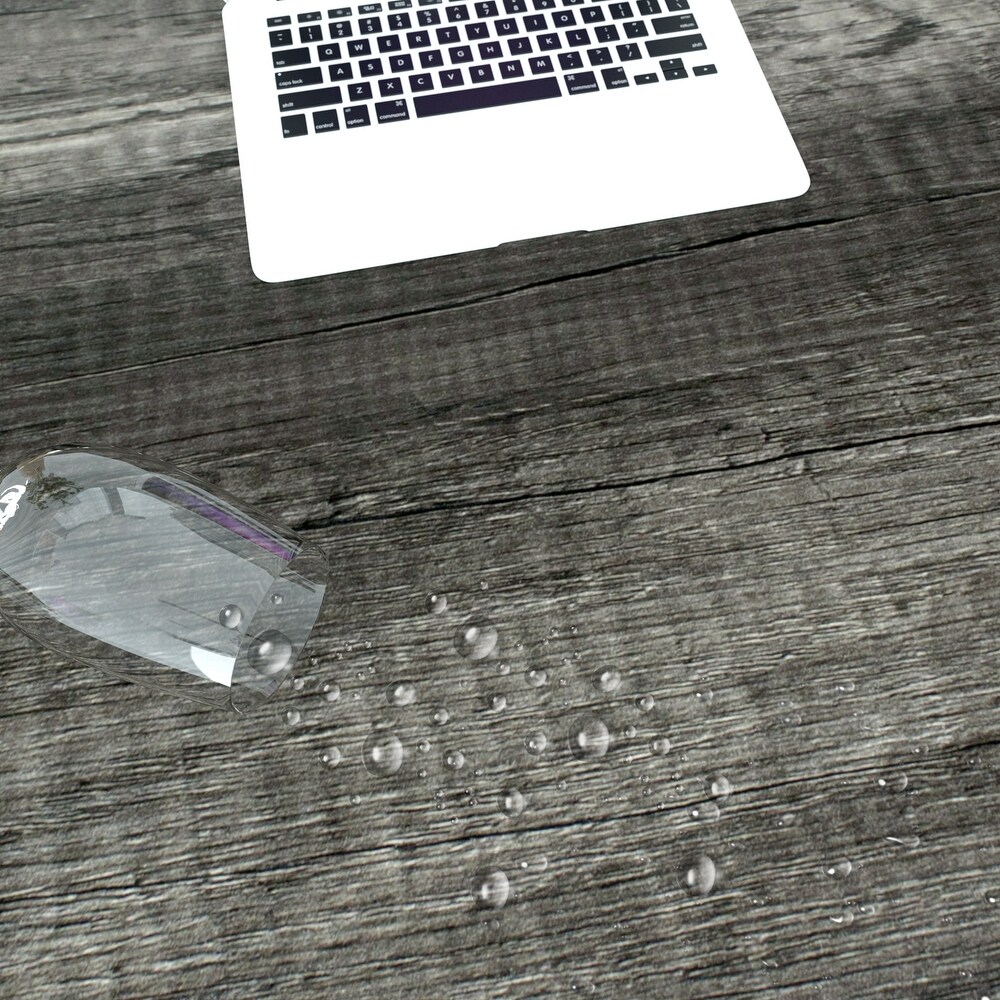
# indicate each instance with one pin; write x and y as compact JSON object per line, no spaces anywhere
{"x":749,"y":460}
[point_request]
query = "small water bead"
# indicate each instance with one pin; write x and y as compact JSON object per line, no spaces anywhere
{"x":382,"y":754}
{"x":436,"y":603}
{"x":497,"y":702}
{"x":910,"y":842}
{"x":787,"y":819}
{"x":484,"y":585}
{"x":845,"y":687}
{"x":562,"y":683}
{"x":231,"y":616}
{"x":511,"y":802}
{"x":697,"y":875}
{"x":561,"y":785}
{"x":360,"y":675}
{"x":476,"y":638}
{"x":355,"y":800}
{"x":991,"y":897}
{"x":440,"y":716}
{"x":269,"y":653}
{"x":844,"y":918}
{"x":293,"y":717}
{"x":706,"y":812}
{"x":720,"y":788}
{"x":536,"y":678}
{"x":893,"y":783}
{"x":645,"y":703}
{"x":478,"y":772}
{"x":424,"y":746}
{"x":588,"y":738}
{"x":277,"y":600}
{"x":839,"y":869}
{"x":331,"y":756}
{"x":331,"y":691}
{"x":867,"y":909}
{"x":536,"y":742}
{"x":298,"y":683}
{"x":422,"y":773}
{"x":491,"y":889}
{"x":660,"y":746}
{"x":402,"y":694}
{"x":356,"y":696}
{"x":454,"y":760}
{"x":791,"y":719}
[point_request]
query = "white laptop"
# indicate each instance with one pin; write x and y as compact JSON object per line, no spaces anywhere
{"x":374,"y":133}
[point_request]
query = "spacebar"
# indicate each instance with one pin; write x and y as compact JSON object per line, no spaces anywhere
{"x":486,"y":97}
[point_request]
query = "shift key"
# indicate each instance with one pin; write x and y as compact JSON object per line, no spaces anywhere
{"x":300,"y":99}
{"x":674,"y":46}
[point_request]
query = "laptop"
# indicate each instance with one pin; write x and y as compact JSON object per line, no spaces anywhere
{"x":383,"y":132}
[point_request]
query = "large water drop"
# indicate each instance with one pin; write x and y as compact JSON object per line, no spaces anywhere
{"x":230,"y":616}
{"x":269,"y":653}
{"x":607,"y":680}
{"x":436,"y":603}
{"x":476,"y":638}
{"x":536,"y":742}
{"x":697,"y":874}
{"x":382,"y":754}
{"x":491,"y":889}
{"x":401,"y":694}
{"x":588,"y":737}
{"x":511,"y":802}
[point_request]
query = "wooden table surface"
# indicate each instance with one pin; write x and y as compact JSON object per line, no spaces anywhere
{"x":749,"y":460}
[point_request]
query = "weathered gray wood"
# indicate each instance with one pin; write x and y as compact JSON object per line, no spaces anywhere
{"x":748,"y":460}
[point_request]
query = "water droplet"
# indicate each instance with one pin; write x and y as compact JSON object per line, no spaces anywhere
{"x":503,"y":669}
{"x":720,"y":788}
{"x":454,"y":760}
{"x":867,"y":909}
{"x":401,"y":694}
{"x":360,"y":675}
{"x":588,"y":738}
{"x":483,"y":585}
{"x":991,"y":897}
{"x":231,"y":616}
{"x":293,"y":717}
{"x":844,"y":918}
{"x":269,"y":653}
{"x":696,"y":875}
{"x":355,"y":800}
{"x":845,"y":687}
{"x":440,"y":716}
{"x":645,"y":703}
{"x":660,"y":746}
{"x":629,"y":732}
{"x":839,"y":869}
{"x":476,"y":638}
{"x":382,"y":754}
{"x":791,"y":719}
{"x":422,"y":773}
{"x":910,"y":842}
{"x":536,"y":678}
{"x":893,"y":782}
{"x":536,"y":742}
{"x":511,"y":802}
{"x":561,"y":785}
{"x":573,"y":630}
{"x":277,"y":600}
{"x":706,"y":812}
{"x":331,"y":756}
{"x":331,"y":691}
{"x":298,"y":683}
{"x":563,"y":682}
{"x":490,"y":889}
{"x":436,"y":603}
{"x":787,"y":819}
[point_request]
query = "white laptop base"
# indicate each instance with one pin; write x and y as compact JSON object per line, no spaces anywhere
{"x":693,"y":128}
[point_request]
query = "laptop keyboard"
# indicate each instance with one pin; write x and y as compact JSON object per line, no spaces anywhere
{"x":382,"y":63}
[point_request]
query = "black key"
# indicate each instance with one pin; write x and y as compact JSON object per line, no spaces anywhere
{"x":359,"y":91}
{"x":570,"y":60}
{"x":425,"y":18}
{"x":451,"y":78}
{"x":421,"y":81}
{"x":458,"y":12}
{"x":572,"y":3}
{"x":447,"y":36}
{"x":340,"y":29}
{"x":399,"y":4}
{"x":535,"y":22}
{"x":519,"y":46}
{"x":311,"y":16}
{"x":705,"y":70}
{"x":515,"y":6}
{"x":674,"y":46}
{"x":280,"y":38}
{"x":511,"y":68}
{"x":540,"y":64}
{"x":303,"y":99}
{"x":563,"y":19}
{"x":293,"y":125}
{"x":544,"y":4}
{"x":290,"y":57}
{"x":370,"y":8}
{"x":548,"y":42}
{"x":371,"y":67}
{"x":580,"y":83}
{"x":400,"y":64}
{"x":430,"y":59}
{"x":418,"y":39}
{"x":578,"y":37}
{"x":627,"y":52}
{"x":359,"y":47}
{"x":678,"y":5}
{"x":390,"y":86}
{"x":673,"y":69}
{"x":646,"y":78}
{"x":506,"y":26}
{"x":614,"y":78}
{"x":391,"y":111}
{"x":460,"y":54}
{"x":486,"y":97}
{"x":399,"y":22}
{"x":599,"y":57}
{"x":592,"y":14}
{"x":635,"y":29}
{"x":311,"y":33}
{"x":648,"y":7}
{"x":428,"y":3}
{"x":490,"y":50}
{"x":370,"y":25}
{"x":277,"y":22}
{"x":606,"y":33}
{"x":671,"y":25}
{"x":619,"y":11}
{"x":486,"y":9}
{"x":390,"y":43}
{"x":328,"y":52}
{"x":341,"y":71}
{"x":481,"y":74}
{"x":476,"y":31}
{"x":300,"y":78}
{"x":339,"y":12}
{"x":356,"y":117}
{"x":326,"y":121}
